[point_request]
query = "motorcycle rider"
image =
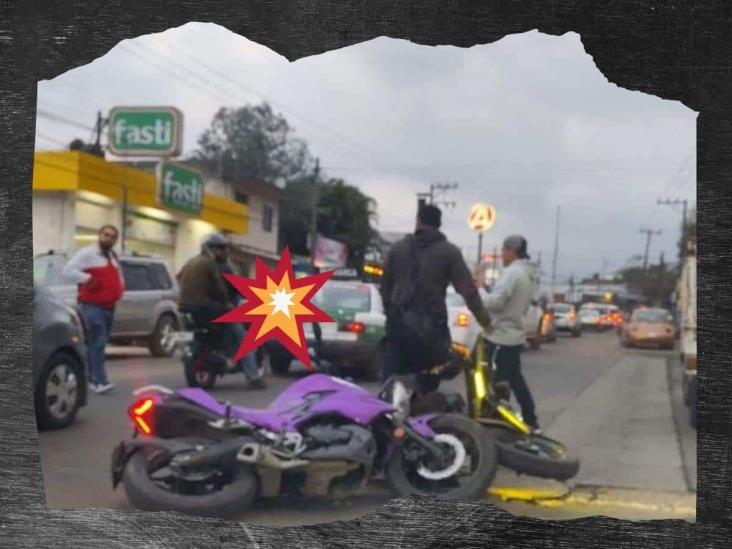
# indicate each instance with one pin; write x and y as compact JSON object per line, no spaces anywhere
{"x":204,"y":294}
{"x":507,"y":304}
{"x":417,"y":272}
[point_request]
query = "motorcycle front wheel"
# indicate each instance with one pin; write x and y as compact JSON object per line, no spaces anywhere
{"x":152,"y":485}
{"x":410,"y":473}
{"x":534,"y":455}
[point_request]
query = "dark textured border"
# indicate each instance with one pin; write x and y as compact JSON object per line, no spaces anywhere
{"x":675,"y":50}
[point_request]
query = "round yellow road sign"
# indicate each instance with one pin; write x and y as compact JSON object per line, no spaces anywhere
{"x":482,"y":217}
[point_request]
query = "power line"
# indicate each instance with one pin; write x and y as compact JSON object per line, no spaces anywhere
{"x":335,"y":138}
{"x":51,"y":139}
{"x":61,"y":120}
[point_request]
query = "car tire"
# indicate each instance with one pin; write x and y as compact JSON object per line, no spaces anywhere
{"x":59,"y":412}
{"x":165,"y":325}
{"x":279,"y":365}
{"x":576,"y":333}
{"x":534,"y":343}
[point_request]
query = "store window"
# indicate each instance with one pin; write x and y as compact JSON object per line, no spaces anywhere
{"x":267,"y":216}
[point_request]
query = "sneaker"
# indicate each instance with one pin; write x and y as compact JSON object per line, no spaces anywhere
{"x":103,"y":388}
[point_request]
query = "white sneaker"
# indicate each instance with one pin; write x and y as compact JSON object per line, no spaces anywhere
{"x":101,"y":389}
{"x":93,"y":387}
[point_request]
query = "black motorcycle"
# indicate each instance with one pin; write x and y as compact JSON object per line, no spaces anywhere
{"x":203,"y":358}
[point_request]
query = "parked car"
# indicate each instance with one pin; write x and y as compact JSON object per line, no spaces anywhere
{"x":464,"y":328}
{"x":355,"y":341}
{"x":148,"y":310}
{"x":649,"y":327}
{"x":565,"y":318}
{"x":59,"y":361}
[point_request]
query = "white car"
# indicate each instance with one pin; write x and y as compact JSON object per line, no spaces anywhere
{"x":589,"y":317}
{"x":565,"y":318}
{"x":464,"y":328}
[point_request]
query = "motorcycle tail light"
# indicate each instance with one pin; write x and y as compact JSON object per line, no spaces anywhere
{"x":142,"y":414}
{"x":353,"y":327}
{"x":462,"y":320}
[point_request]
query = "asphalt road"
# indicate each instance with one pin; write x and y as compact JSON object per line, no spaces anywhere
{"x":76,"y":460}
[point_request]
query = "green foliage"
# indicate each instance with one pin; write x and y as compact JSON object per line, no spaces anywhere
{"x":252,"y":142}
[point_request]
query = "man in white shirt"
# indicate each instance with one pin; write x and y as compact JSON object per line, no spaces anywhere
{"x":507,"y":304}
{"x":97,"y":272}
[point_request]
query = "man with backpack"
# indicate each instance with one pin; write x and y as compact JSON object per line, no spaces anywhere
{"x":417,"y":271}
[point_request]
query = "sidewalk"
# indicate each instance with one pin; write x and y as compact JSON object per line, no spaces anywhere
{"x":623,"y":430}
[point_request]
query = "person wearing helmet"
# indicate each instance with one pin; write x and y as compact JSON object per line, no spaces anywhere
{"x":205,"y":295}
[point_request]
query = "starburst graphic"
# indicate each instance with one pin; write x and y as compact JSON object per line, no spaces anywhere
{"x":277,"y":305}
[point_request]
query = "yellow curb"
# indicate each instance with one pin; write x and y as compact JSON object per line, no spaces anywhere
{"x":526,"y":494}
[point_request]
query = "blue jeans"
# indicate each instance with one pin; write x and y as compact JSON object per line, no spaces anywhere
{"x":98,"y":323}
{"x":233,"y":335}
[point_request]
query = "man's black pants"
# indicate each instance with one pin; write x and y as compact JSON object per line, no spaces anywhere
{"x":406,"y":354}
{"x":508,"y":368}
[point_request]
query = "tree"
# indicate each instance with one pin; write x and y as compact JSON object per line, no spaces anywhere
{"x":252,"y":142}
{"x":655,"y":284}
{"x":344,"y":214}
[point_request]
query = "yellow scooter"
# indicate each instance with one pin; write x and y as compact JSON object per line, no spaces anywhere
{"x":488,"y":403}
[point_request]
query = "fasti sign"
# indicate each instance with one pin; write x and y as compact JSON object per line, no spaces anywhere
{"x":180,"y":188}
{"x":145,"y":131}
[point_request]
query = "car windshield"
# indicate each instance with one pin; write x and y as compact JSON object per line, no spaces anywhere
{"x":561,"y":308}
{"x":47,"y":271}
{"x":354,"y":297}
{"x":650,"y":317}
{"x":589,"y":312}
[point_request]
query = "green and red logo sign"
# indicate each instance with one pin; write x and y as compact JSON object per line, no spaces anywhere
{"x":145,"y":131}
{"x":180,"y":188}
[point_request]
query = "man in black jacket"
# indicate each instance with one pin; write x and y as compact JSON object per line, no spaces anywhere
{"x":417,"y":271}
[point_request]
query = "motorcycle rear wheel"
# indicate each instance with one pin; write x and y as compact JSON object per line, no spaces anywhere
{"x":535,"y":455}
{"x":146,"y":494}
{"x":402,"y":476}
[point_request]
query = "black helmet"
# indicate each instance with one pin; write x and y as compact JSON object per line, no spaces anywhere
{"x":214,"y":240}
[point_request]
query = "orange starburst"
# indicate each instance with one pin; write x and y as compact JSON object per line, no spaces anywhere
{"x":277,"y":305}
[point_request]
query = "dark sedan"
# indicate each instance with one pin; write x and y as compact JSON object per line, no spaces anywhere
{"x":59,"y":361}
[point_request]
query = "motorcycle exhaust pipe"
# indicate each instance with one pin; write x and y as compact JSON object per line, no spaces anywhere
{"x":254,"y":453}
{"x":223,"y":452}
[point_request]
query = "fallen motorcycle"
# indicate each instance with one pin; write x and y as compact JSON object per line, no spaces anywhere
{"x":322,"y":436}
{"x":488,"y":402}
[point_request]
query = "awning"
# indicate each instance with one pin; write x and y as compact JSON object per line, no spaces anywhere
{"x":75,"y":170}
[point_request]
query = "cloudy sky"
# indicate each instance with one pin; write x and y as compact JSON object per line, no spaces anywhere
{"x":526,"y":124}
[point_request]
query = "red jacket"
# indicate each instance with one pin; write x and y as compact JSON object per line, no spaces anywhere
{"x":99,"y":276}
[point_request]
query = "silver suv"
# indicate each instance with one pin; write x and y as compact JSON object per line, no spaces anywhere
{"x":148,"y":310}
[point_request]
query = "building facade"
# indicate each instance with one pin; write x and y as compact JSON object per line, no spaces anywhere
{"x":75,"y":193}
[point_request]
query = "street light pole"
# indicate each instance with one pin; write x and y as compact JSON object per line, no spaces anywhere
{"x":556,"y":251}
{"x":684,"y":203}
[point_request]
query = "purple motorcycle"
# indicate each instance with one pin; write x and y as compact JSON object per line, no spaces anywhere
{"x":322,"y":436}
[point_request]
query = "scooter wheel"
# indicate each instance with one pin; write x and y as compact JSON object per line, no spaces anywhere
{"x":535,"y":455}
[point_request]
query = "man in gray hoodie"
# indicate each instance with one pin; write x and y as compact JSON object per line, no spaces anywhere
{"x":507,"y":304}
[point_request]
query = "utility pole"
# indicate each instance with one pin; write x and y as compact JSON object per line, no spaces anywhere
{"x":684,"y":203}
{"x":556,"y":250}
{"x":436,"y":189}
{"x":649,"y":233}
{"x":314,"y":197}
